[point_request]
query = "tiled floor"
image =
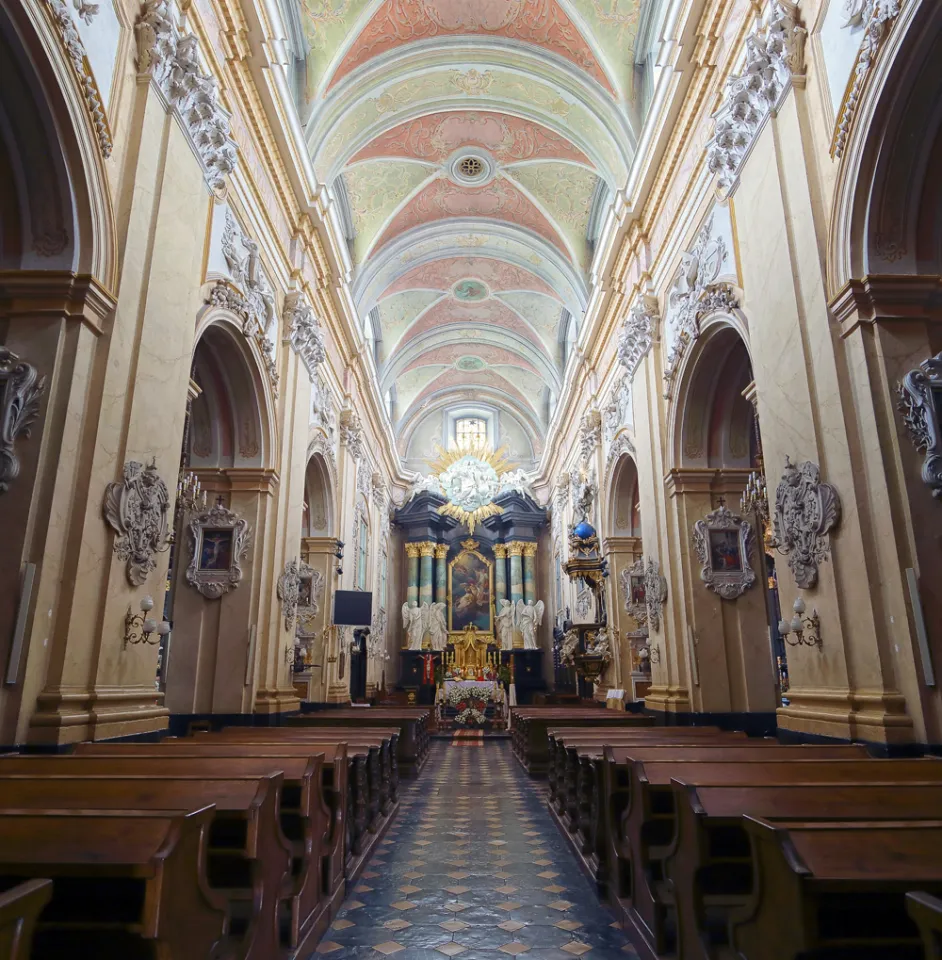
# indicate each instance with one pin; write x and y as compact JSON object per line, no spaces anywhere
{"x":473,"y":867}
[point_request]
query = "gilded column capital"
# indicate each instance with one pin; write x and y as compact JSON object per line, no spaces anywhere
{"x":500,"y":551}
{"x":529,"y":550}
{"x":412,"y":551}
{"x":441,"y":551}
{"x":515,"y":549}
{"x":427,"y":548}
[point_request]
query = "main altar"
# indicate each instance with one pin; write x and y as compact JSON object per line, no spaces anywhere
{"x":471,"y":551}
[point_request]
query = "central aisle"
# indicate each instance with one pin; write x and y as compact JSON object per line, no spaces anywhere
{"x":473,"y":867}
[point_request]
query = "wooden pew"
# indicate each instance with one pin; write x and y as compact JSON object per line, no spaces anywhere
{"x":926,"y":910}
{"x":709,"y":866}
{"x":127,"y":885}
{"x":373,"y":795}
{"x":322,"y":813}
{"x":530,"y":726}
{"x":648,"y":822}
{"x":413,"y":723}
{"x":381,"y":742}
{"x":586,"y":816}
{"x":249,"y":857}
{"x":565,"y":742}
{"x":829,"y":890}
{"x":20,"y":907}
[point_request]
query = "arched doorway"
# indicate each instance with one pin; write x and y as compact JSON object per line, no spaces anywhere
{"x":209,"y":663}
{"x":55,"y":224}
{"x":318,"y":551}
{"x":626,"y":553}
{"x":729,"y":611}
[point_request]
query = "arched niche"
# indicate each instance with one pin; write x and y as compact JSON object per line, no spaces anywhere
{"x":887,"y":211}
{"x":55,"y":206}
{"x":715,"y":424}
{"x":625,"y":515}
{"x":229,"y":425}
{"x":318,"y":513}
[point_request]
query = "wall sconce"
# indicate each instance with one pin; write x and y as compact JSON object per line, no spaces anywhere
{"x":141,"y":629}
{"x":339,"y":555}
{"x":805,"y":630}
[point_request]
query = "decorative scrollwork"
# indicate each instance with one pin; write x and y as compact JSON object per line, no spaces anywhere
{"x":655,"y":593}
{"x":805,"y":511}
{"x":136,"y":508}
{"x":20,"y":391}
{"x":633,"y":590}
{"x":919,"y":394}
{"x":219,"y":539}
{"x":724,"y":544}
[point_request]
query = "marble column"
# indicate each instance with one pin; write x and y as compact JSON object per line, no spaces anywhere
{"x":412,"y":584}
{"x":441,"y":573}
{"x":515,"y":551}
{"x":500,"y":572}
{"x":529,"y":572}
{"x":426,"y":552}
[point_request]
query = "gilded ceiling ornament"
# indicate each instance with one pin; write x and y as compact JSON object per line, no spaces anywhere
{"x":219,"y":539}
{"x":806,"y":509}
{"x":20,"y":391}
{"x":918,"y":403}
{"x":655,"y":593}
{"x":774,"y":54}
{"x":173,"y":62}
{"x":136,"y":508}
{"x":725,"y":543}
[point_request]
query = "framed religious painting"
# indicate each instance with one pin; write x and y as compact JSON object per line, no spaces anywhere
{"x":920,"y":403}
{"x":724,"y":544}
{"x":219,"y":539}
{"x":470,"y":590}
{"x":633,"y":590}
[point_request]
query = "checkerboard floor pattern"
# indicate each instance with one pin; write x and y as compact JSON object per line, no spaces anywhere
{"x":473,"y":868}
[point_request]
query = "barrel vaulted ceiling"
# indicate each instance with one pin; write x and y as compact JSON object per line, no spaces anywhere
{"x":473,"y":146}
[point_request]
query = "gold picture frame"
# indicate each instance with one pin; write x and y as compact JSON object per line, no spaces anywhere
{"x":476,"y":610}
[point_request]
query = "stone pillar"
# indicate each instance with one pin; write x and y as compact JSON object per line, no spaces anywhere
{"x":441,"y":573}
{"x":515,"y":551}
{"x":426,"y":552}
{"x":412,"y":585}
{"x":529,"y":572}
{"x":500,"y":572}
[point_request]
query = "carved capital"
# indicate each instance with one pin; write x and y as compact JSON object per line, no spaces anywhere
{"x":412,"y":551}
{"x":529,"y":550}
{"x":515,"y":548}
{"x":441,"y":551}
{"x":500,"y":551}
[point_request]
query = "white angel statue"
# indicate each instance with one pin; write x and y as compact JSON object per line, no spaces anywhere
{"x":413,"y":622}
{"x":437,"y":628}
{"x":505,"y":624}
{"x":529,"y":617}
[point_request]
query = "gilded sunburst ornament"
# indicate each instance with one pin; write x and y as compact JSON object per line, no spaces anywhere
{"x":470,"y":478}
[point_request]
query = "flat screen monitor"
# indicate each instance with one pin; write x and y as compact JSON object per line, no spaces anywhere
{"x":353,"y":608}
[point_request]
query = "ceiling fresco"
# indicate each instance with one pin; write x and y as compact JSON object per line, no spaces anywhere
{"x":474,"y":146}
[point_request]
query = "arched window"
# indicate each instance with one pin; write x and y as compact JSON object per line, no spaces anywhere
{"x":470,"y":431}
